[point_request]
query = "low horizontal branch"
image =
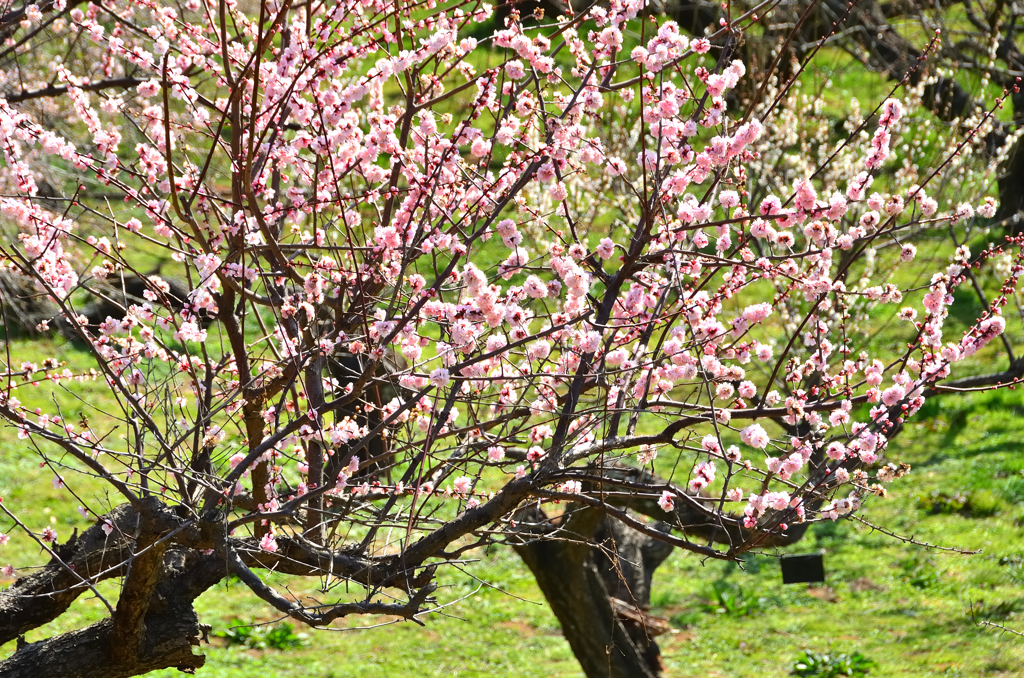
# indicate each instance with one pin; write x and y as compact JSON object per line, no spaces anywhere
{"x":292,"y":608}
{"x":59,"y":90}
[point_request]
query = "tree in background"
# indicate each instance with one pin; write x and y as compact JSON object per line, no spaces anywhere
{"x":375,"y":284}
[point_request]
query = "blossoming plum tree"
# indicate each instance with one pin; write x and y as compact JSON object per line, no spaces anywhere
{"x":425,"y":275}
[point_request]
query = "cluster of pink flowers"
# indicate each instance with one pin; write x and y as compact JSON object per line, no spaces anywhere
{"x":892,"y":111}
{"x":594,"y":250}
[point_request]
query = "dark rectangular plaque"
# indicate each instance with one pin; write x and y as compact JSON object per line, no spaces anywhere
{"x":803,"y":568}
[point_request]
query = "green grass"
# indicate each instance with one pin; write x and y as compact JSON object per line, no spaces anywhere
{"x":903,"y":606}
{"x":906,"y":608}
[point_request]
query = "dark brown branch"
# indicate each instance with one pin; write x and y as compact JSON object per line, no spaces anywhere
{"x":1007,"y":376}
{"x":43,"y":596}
{"x":293,"y":609}
{"x":58,"y":90}
{"x":144,"y":568}
{"x":690,"y":521}
{"x":91,"y":557}
{"x":301,"y":557}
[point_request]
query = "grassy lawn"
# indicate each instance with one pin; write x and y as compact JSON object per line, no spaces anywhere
{"x":911,"y":610}
{"x":905,"y":607}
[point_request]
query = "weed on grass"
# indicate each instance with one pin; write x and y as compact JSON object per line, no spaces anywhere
{"x":277,"y":637}
{"x":821,"y":665}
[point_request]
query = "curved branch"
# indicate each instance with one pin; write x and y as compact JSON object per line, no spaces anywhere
{"x":58,"y":90}
{"x":1013,"y":373}
{"x":407,"y":611}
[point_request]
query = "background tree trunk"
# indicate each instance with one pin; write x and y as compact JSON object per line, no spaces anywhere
{"x":601,"y":595}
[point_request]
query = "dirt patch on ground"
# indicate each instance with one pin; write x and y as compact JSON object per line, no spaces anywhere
{"x":826,"y":593}
{"x":865,"y":584}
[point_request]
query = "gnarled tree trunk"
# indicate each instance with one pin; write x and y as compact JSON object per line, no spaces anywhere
{"x":601,"y":594}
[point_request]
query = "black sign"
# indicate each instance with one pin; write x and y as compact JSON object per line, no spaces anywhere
{"x":804,"y":568}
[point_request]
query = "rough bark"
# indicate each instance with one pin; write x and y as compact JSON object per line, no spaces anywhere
{"x":170,"y":630}
{"x":144,"y":572}
{"x":596,"y":573}
{"x":85,"y":653}
{"x":43,"y":596}
{"x":627,"y":560}
{"x":167,"y":559}
{"x":575,"y":589}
